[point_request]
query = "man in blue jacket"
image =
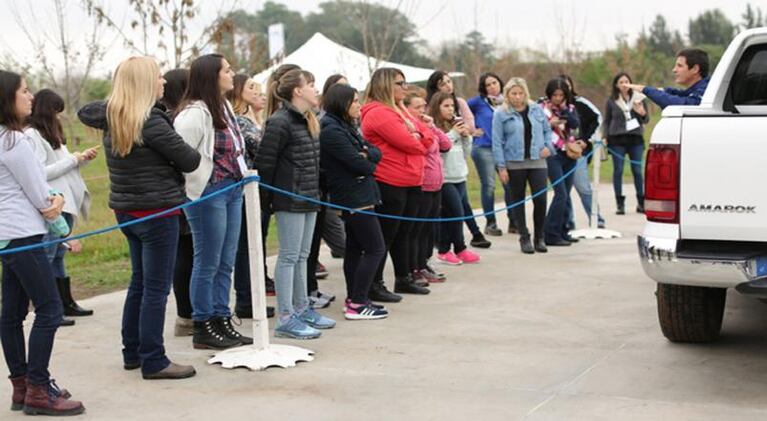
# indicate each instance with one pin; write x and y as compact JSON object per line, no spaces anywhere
{"x":691,"y":71}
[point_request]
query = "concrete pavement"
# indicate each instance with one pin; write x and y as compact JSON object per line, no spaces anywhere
{"x":571,"y":334}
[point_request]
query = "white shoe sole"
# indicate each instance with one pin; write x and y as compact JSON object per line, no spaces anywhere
{"x":361,"y":317}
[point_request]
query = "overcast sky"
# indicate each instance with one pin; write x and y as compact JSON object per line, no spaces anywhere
{"x":510,"y":23}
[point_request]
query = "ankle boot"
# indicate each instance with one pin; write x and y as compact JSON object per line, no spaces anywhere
{"x":225,"y":327}
{"x":526,"y":245}
{"x":183,"y":327}
{"x":71,"y":308}
{"x":378,"y":292}
{"x":208,"y":336}
{"x":406,"y":285}
{"x":640,"y":204}
{"x":46,"y":399}
{"x":19,"y":392}
{"x":540,"y":245}
{"x":621,"y":202}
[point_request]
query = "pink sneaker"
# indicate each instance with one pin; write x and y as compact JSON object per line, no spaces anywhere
{"x":467,"y":256}
{"x":449,"y":258}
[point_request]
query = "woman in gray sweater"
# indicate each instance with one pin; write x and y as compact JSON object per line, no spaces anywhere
{"x":25,"y":205}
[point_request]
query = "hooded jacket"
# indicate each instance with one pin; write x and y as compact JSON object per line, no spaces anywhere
{"x":403,"y":148}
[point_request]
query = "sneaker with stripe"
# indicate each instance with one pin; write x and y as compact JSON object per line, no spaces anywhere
{"x":364,"y":312}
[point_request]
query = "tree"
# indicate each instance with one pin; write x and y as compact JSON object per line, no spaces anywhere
{"x":752,"y":17}
{"x":160,"y":26}
{"x":64,"y":56}
{"x":711,"y":27}
{"x":660,"y":39}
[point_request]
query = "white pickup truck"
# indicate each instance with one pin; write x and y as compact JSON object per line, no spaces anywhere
{"x":706,"y":204}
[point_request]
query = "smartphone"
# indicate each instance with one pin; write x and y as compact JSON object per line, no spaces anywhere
{"x":457,"y":119}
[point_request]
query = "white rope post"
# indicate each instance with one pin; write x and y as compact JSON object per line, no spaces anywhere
{"x":591,"y":232}
{"x":261,"y":354}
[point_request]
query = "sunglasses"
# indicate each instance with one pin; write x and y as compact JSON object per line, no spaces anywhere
{"x":401,"y":83}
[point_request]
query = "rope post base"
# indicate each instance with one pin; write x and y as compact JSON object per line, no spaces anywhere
{"x":259,"y":359}
{"x":595,"y":233}
{"x":261,"y":354}
{"x":591,"y":233}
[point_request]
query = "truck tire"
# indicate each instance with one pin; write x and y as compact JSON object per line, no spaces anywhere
{"x":690,"y":314}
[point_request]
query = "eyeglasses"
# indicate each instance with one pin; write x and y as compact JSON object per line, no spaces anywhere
{"x":401,"y":83}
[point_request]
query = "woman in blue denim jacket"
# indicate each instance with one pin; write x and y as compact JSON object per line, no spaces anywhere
{"x":521,"y":144}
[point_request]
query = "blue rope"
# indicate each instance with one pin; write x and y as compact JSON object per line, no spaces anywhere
{"x":295,"y":196}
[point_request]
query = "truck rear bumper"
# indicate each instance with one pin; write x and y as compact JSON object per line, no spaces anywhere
{"x":663,"y":263}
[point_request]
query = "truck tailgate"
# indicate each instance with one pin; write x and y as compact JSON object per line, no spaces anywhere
{"x":723,"y":185}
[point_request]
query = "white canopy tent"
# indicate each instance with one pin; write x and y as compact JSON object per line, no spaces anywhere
{"x":323,"y":58}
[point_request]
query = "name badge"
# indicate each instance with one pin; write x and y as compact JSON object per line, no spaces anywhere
{"x":632,"y":124}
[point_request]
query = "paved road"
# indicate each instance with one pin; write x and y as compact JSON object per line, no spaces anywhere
{"x":567,"y":335}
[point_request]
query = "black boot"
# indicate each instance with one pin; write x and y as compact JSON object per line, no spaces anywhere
{"x":247,"y":312}
{"x":378,"y":292}
{"x":526,"y":245}
{"x":71,"y":308}
{"x":225,"y":327}
{"x":478,"y":240}
{"x":208,"y":336}
{"x":66,"y":322}
{"x":406,"y":285}
{"x":540,"y":245}
{"x":640,"y":204}
{"x":621,"y":201}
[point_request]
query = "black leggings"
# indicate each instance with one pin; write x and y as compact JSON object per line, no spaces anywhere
{"x":365,"y":248}
{"x":182,"y":274}
{"x":314,"y":250}
{"x":424,"y":231}
{"x":518,"y":181}
{"x":451,"y":233}
{"x":400,"y":201}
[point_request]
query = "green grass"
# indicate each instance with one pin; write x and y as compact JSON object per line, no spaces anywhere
{"x":104,"y":264}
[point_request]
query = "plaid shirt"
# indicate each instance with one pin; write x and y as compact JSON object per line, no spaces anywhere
{"x":225,"y":153}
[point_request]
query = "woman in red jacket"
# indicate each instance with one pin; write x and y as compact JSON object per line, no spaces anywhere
{"x":403,"y":142}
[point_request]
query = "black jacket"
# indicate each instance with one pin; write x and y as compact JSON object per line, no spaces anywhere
{"x":289,"y":158}
{"x":150,"y":176}
{"x":349,"y":174}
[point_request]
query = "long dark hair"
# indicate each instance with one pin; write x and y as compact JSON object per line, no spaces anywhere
{"x":559,"y":84}
{"x":483,"y":80}
{"x":617,"y":92}
{"x":436,"y":101}
{"x":432,"y":87}
{"x":570,"y":82}
{"x":44,"y":118}
{"x":337,"y":100}
{"x":9,"y":83}
{"x":203,"y":86}
{"x":177,"y":80}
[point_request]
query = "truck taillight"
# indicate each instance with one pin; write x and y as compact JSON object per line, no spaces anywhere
{"x":662,"y":184}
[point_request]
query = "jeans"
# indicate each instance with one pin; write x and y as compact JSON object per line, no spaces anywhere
{"x":556,"y":219}
{"x":243,"y":298}
{"x":215,"y":225}
{"x":635,"y":153}
{"x":582,"y":185}
{"x":295,"y":231}
{"x":451,"y":233}
{"x":518,"y":182}
{"x":153,"y":247}
{"x":400,"y":201}
{"x":431,"y":205}
{"x":483,"y":160}
{"x":365,"y":248}
{"x":27,"y":276}
{"x":56,"y":252}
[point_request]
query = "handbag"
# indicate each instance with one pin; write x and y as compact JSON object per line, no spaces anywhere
{"x":573,"y":150}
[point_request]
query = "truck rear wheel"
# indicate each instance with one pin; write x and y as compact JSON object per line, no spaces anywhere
{"x":690,"y":314}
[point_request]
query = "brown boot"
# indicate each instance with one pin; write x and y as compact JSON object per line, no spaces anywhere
{"x":172,"y":371}
{"x":44,"y":399}
{"x":19,"y":391}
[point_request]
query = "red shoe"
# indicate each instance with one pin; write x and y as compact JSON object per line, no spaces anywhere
{"x":321,"y":272}
{"x":46,"y":399}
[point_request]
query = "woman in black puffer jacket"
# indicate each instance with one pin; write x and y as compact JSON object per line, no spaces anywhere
{"x":146,"y":159}
{"x":349,"y":163}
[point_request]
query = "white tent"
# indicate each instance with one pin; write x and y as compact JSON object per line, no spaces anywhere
{"x":323,"y":58}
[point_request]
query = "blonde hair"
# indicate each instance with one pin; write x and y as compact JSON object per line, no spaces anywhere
{"x":381,"y":89}
{"x":512,"y":83}
{"x":281,"y":90}
{"x":134,"y":93}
